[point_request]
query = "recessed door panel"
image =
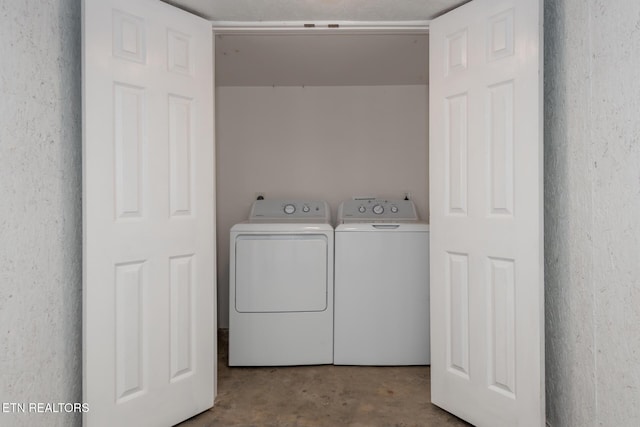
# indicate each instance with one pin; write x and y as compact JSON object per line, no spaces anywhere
{"x":456,"y":154}
{"x":180,"y":52}
{"x":131,"y":337}
{"x":129,"y":146}
{"x":500,"y":128}
{"x":181,"y":171}
{"x":456,"y":52}
{"x":182,"y":271}
{"x":129,"y":34}
{"x":457,"y":279}
{"x":501,"y":321}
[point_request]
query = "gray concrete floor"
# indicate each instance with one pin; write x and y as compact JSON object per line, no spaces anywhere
{"x":326,"y":395}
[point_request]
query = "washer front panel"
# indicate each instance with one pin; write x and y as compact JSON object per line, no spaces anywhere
{"x":381,"y":297}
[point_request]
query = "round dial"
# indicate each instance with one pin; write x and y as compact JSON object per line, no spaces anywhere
{"x":362,"y":209}
{"x":305,"y":208}
{"x":378,"y":209}
{"x":394,"y":209}
{"x":289,"y":209}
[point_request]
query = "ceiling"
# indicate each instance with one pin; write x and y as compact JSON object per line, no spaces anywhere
{"x":318,"y":10}
{"x":319,"y":58}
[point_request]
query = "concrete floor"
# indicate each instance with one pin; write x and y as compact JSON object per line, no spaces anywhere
{"x":324,"y":395}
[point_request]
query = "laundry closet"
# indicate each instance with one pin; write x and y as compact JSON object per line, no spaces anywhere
{"x":317,"y":115}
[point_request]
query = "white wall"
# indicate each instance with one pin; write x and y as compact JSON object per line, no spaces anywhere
{"x":328,"y":143}
{"x":40,"y":208}
{"x":592,"y":212}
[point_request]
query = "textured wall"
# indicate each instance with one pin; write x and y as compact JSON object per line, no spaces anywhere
{"x":615,"y":145}
{"x":40,"y":207}
{"x":592,"y":214}
{"x":329,"y":143}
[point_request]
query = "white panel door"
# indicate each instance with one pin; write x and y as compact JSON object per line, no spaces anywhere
{"x":487,"y":300}
{"x":149,"y":329}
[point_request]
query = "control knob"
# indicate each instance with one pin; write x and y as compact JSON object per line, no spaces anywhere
{"x":394,"y":209}
{"x":378,"y":209}
{"x":289,"y":209}
{"x":362,"y":209}
{"x":305,"y":208}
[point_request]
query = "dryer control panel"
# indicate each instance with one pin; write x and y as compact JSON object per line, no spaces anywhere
{"x":374,"y":209}
{"x":290,"y":210}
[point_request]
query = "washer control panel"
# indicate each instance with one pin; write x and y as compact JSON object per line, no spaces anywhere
{"x":290,"y":210}
{"x":374,"y":209}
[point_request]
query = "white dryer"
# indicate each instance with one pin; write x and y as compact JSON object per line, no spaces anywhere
{"x":281,"y":285}
{"x":381,"y":284}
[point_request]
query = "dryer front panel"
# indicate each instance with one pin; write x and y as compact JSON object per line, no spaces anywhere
{"x":281,"y":273}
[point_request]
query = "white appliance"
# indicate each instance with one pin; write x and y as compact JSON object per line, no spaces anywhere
{"x":281,"y":285}
{"x":381,"y":284}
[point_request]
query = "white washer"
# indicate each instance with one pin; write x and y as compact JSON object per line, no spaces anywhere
{"x":281,"y":285}
{"x":381,"y":284}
